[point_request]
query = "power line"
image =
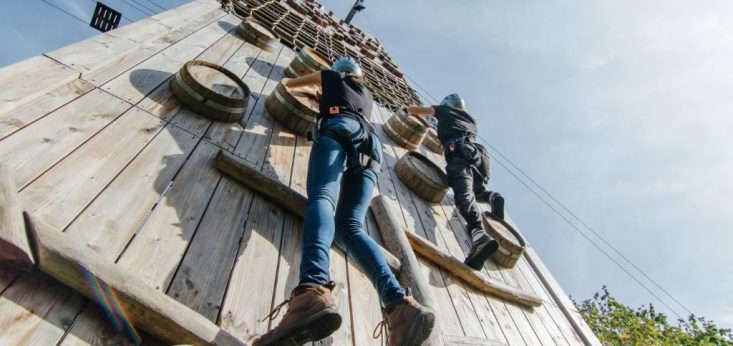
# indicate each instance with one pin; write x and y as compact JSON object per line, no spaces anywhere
{"x":65,"y":12}
{"x":143,"y":6}
{"x":569,"y":222}
{"x":156,"y":4}
{"x":137,"y":8}
{"x":576,"y":217}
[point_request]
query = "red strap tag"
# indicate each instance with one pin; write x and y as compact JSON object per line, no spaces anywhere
{"x":333,"y":110}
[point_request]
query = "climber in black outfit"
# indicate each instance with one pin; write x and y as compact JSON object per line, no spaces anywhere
{"x":467,"y":170}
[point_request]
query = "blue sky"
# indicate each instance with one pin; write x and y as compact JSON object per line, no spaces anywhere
{"x":621,"y":109}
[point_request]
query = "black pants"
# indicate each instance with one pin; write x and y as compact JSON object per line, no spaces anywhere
{"x":467,"y":183}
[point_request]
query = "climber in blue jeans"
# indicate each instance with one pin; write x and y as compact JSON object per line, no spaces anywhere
{"x":342,"y":172}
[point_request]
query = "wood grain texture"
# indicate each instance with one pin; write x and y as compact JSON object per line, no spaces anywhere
{"x":15,"y":250}
{"x":64,"y":191}
{"x":31,"y":78}
{"x":28,"y":112}
{"x":146,"y":308}
{"x":42,"y":144}
{"x":37,"y":310}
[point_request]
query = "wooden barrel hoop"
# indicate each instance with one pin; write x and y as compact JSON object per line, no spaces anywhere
{"x":406,"y":130}
{"x":511,"y":243}
{"x":258,"y":34}
{"x":211,"y":91}
{"x":307,"y":61}
{"x":432,"y":142}
{"x":422,"y":176}
{"x":294,"y":109}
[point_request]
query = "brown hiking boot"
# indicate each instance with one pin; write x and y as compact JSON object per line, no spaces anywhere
{"x":408,"y":323}
{"x":311,"y":316}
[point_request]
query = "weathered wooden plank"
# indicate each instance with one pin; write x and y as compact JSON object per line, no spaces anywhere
{"x":37,"y":310}
{"x":454,"y":266}
{"x":28,"y":79}
{"x":338,"y":274}
{"x":43,"y":143}
{"x":249,"y":295}
{"x":155,"y":252}
{"x":252,"y":146}
{"x":7,"y":276}
{"x":143,"y":306}
{"x":133,"y":85}
{"x":109,"y":49}
{"x":203,"y":275}
{"x":123,"y":205}
{"x":93,"y":328}
{"x":554,"y":289}
{"x":62,"y":193}
{"x":288,"y":266}
{"x":15,"y":249}
{"x":454,"y":340}
{"x":227,"y":135}
{"x":552,"y":315}
{"x":125,"y":61}
{"x":24,"y":114}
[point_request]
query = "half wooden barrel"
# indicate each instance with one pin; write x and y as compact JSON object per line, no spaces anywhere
{"x":258,"y":35}
{"x":511,"y":243}
{"x":422,"y":176}
{"x":211,"y":91}
{"x":407,"y":130}
{"x":295,"y":109}
{"x":432,"y":142}
{"x":307,"y":61}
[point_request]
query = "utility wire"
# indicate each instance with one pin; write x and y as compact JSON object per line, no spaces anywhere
{"x":137,"y":8}
{"x":569,"y":222}
{"x":65,"y":12}
{"x":144,"y":6}
{"x":576,"y":217}
{"x":156,"y":4}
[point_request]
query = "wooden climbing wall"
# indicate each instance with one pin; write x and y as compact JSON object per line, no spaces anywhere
{"x":100,"y":150}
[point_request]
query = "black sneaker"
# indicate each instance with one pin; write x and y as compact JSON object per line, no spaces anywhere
{"x":481,"y":249}
{"x":497,"y":206}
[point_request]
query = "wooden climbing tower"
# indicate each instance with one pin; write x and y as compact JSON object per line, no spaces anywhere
{"x":146,"y":222}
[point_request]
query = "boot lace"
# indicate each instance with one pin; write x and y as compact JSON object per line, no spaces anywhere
{"x":381,"y":329}
{"x":275,"y":312}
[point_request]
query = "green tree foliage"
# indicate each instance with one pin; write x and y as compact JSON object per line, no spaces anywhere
{"x":617,"y":324}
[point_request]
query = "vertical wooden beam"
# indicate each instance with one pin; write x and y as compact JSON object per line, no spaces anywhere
{"x":411,"y":274}
{"x":14,"y":246}
{"x":127,"y":297}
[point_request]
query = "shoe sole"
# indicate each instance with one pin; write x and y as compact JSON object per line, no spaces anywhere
{"x":421,"y":328}
{"x":477,"y":262}
{"x":319,"y":326}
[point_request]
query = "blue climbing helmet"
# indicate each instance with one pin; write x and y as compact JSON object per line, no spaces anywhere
{"x":347,"y":64}
{"x":455,"y":101}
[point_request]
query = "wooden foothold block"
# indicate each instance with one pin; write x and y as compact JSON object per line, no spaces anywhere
{"x":15,"y":248}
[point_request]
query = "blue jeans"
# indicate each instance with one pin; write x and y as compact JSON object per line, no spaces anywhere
{"x":321,"y":227}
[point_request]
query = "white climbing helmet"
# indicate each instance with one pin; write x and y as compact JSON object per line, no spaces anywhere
{"x":347,"y":64}
{"x":454,"y":100}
